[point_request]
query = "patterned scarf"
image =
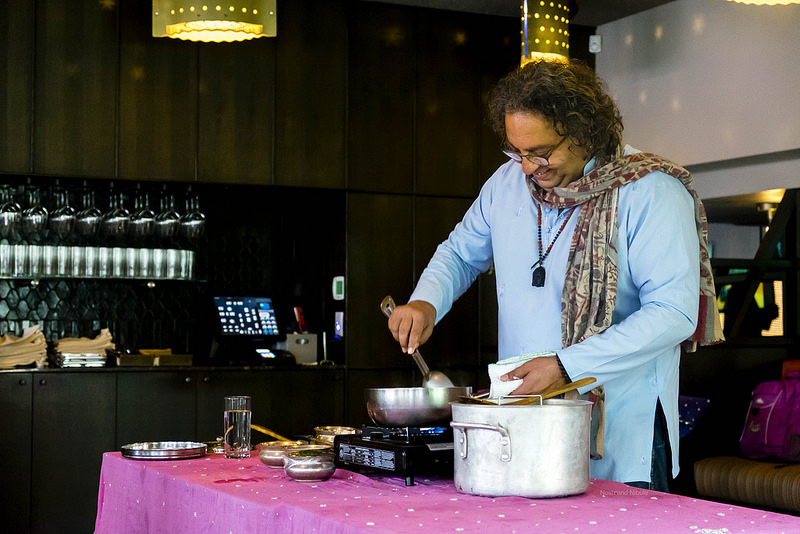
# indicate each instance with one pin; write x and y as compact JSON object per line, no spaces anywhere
{"x":590,"y":285}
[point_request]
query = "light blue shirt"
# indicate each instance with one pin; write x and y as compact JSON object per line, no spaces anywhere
{"x":637,"y":358}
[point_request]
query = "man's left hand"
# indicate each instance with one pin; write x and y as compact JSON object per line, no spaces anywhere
{"x":538,"y":375}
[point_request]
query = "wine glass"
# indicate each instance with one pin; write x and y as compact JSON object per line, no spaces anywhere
{"x":62,"y":219}
{"x":116,"y":220}
{"x":167,"y":220}
{"x":143,"y":219}
{"x":33,"y":222}
{"x":87,"y":220}
{"x":10,"y":213}
{"x":193,"y":222}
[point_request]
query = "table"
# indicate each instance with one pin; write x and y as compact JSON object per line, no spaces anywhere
{"x":214,"y":494}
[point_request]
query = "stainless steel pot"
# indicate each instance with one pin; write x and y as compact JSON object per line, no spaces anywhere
{"x":534,"y":450}
{"x":412,"y":406}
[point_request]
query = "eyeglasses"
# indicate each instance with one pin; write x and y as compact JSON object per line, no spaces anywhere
{"x":541,"y":161}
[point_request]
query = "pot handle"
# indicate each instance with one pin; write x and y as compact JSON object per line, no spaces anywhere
{"x":505,"y":440}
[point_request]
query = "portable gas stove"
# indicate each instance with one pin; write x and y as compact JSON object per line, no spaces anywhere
{"x":403,"y":451}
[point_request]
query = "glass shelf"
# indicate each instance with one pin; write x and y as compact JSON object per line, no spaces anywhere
{"x":38,"y":262}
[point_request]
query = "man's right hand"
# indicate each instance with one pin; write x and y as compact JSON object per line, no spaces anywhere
{"x":412,"y":324}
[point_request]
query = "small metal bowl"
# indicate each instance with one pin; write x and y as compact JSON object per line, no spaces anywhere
{"x":326,"y":434}
{"x":309,"y":465}
{"x":271,"y":452}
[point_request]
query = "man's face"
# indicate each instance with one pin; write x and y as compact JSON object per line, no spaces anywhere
{"x":534,"y":136}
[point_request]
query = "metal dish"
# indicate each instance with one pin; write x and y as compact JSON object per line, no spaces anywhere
{"x":271,"y":453}
{"x":309,"y":465}
{"x":164,"y":450}
{"x":412,"y":406}
{"x":326,"y":434}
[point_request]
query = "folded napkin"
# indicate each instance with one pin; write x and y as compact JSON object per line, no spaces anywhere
{"x":84,"y":345}
{"x":30,"y":348}
{"x":498,"y":388}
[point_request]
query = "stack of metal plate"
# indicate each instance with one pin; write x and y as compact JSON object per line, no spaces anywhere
{"x":69,"y":359}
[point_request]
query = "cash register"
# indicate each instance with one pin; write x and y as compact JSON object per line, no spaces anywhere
{"x":248,"y":329}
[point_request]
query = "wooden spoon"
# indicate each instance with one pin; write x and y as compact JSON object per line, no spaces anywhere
{"x":528,"y":400}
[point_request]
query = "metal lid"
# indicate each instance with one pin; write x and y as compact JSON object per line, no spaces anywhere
{"x":164,"y":450}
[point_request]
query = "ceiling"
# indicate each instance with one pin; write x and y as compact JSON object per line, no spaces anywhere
{"x":588,"y":12}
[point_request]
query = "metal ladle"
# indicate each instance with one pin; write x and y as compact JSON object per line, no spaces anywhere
{"x":430,"y":379}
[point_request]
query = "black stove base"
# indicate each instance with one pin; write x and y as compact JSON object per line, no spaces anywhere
{"x":391,"y":457}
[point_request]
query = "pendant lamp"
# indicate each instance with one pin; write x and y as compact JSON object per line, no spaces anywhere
{"x":214,"y":20}
{"x":545,"y":30}
{"x":767,"y":2}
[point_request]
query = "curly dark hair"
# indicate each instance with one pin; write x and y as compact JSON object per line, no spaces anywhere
{"x":570,"y":95}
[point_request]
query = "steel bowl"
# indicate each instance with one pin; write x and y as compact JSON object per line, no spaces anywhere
{"x":309,"y":465}
{"x":412,"y":406}
{"x":271,"y":452}
{"x":326,"y":434}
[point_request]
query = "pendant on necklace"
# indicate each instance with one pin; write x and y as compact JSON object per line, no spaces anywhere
{"x":537,"y":280}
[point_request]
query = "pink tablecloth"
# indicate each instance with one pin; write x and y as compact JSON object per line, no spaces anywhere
{"x":214,"y":494}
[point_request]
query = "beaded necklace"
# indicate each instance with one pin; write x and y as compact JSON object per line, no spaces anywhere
{"x":537,"y":279}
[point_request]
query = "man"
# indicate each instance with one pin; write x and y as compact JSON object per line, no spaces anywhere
{"x":600,"y":255}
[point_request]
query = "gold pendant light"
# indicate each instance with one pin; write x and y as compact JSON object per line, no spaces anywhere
{"x":545,"y":30}
{"x":767,"y":2}
{"x":214,"y":20}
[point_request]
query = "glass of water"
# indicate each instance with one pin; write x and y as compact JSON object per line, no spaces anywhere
{"x":237,"y":427}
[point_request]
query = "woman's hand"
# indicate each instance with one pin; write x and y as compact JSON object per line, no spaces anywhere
{"x":411,"y":325}
{"x":538,"y":375}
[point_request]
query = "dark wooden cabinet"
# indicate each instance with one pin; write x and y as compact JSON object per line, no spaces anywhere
{"x":363,"y":96}
{"x":16,"y":413}
{"x":75,"y":89}
{"x":73,"y":425}
{"x":455,"y":339}
{"x":448,"y":109}
{"x":158,"y":86}
{"x":236,"y":112}
{"x":155,"y":406}
{"x":379,"y":262}
{"x":381,"y":94}
{"x":311,"y":91}
{"x":16,"y":84}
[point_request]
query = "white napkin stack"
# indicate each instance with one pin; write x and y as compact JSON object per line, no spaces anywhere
{"x":25,"y":350}
{"x":498,"y":388}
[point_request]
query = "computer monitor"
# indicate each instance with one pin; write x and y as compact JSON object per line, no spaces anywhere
{"x":247,"y":330}
{"x":247,"y":317}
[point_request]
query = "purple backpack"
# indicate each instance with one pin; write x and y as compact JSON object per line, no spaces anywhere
{"x":772,"y":425}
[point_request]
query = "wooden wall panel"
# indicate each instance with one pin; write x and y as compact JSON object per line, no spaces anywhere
{"x":454,"y":341}
{"x":379,"y":263}
{"x":16,"y":83}
{"x":381,"y":89}
{"x":76,"y":75}
{"x":311,"y":91}
{"x":158,"y":101}
{"x":499,"y":55}
{"x":448,"y":103}
{"x":237,"y":112}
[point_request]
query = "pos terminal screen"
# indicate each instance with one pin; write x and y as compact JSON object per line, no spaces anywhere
{"x":246,"y":316}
